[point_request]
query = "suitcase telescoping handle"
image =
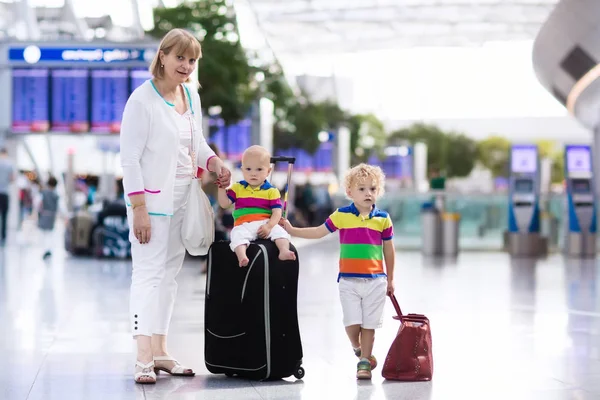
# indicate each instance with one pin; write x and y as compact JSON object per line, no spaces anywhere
{"x":290,"y":161}
{"x":397,"y":307}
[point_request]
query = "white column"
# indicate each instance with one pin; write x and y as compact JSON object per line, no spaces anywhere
{"x":596,"y":160}
{"x":420,"y":167}
{"x":343,"y":152}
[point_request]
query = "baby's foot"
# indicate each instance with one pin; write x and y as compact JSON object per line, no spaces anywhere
{"x":244,"y":261}
{"x":287,"y":255}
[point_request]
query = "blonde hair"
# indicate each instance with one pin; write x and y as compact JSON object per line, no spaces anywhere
{"x":363,"y":172}
{"x":179,"y":41}
{"x":259,"y":152}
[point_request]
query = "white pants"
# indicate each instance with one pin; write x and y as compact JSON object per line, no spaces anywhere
{"x":47,"y":240}
{"x":155,"y":266}
{"x":363,"y":300}
{"x":245,"y":233}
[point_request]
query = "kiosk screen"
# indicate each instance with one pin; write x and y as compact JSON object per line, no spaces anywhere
{"x":523,"y":186}
{"x":581,"y":186}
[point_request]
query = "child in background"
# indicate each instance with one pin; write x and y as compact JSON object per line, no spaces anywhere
{"x":366,"y":234}
{"x":48,"y":209}
{"x":257,"y":207}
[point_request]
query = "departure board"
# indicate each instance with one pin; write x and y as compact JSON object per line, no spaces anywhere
{"x":110,"y":90}
{"x":71,"y":86}
{"x":70,"y":100}
{"x":139,"y":76}
{"x":30,"y":100}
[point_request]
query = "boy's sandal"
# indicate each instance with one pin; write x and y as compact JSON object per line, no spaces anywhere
{"x":144,"y":373}
{"x":372,"y":359}
{"x":373,"y":362}
{"x":363,"y":370}
{"x":177,"y":370}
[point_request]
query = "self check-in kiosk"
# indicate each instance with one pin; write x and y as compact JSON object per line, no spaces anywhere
{"x":524,"y":238}
{"x":580,"y":224}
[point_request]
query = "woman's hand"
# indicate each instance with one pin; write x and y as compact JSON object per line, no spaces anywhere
{"x":141,"y":224}
{"x":217,"y":166}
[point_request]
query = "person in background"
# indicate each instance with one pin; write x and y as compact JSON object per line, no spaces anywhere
{"x":437,"y":182}
{"x":49,"y":208}
{"x":7,"y":176}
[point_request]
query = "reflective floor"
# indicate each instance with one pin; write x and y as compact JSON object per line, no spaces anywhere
{"x":501,"y":330}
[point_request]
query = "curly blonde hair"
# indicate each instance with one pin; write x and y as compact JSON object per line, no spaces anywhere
{"x":363,"y":172}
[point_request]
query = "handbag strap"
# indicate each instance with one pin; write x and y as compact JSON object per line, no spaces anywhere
{"x":192,"y":147}
{"x":396,"y":306}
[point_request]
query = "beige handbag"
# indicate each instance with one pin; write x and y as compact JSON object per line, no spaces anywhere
{"x":198,"y":227}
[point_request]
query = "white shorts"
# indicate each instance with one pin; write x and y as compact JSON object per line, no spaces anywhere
{"x":363,"y":300}
{"x":246,"y":232}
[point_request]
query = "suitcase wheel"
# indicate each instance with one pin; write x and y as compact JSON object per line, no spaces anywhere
{"x":229,"y":374}
{"x":299,"y":374}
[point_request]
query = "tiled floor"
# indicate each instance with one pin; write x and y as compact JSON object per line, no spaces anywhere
{"x":501,"y":330}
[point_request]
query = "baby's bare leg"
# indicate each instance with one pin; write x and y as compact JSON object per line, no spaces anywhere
{"x":284,"y":249}
{"x":240,"y":252}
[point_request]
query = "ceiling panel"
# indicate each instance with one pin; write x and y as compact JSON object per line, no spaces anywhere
{"x":315,"y":26}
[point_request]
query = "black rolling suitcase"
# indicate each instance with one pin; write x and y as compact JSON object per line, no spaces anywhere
{"x":251,"y":316}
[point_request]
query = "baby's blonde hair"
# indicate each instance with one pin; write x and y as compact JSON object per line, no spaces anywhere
{"x":363,"y":172}
{"x":259,"y":152}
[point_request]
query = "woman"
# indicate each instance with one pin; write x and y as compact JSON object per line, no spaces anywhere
{"x":162,"y":147}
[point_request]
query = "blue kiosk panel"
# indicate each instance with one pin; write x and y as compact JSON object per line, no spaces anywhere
{"x":524,"y":210}
{"x":581,"y":201}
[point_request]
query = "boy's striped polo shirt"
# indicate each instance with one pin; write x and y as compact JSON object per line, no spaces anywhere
{"x":361,"y":240}
{"x":253,"y":204}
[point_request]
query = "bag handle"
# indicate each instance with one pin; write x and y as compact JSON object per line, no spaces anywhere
{"x":397,"y":307}
{"x":290,"y":161}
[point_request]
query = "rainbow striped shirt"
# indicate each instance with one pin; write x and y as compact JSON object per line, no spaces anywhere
{"x":361,"y":240}
{"x":253,"y":204}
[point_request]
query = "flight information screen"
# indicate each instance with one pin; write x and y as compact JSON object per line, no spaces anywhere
{"x":77,"y":100}
{"x":30,"y":100}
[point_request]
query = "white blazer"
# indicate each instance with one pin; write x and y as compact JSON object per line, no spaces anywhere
{"x":150,"y":146}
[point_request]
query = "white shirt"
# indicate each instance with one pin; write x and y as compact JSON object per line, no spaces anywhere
{"x":150,"y":146}
{"x":184,"y":157}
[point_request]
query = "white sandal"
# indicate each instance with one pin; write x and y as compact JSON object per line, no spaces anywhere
{"x":177,"y":370}
{"x":145,"y":371}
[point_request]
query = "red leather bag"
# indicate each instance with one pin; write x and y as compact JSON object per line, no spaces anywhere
{"x":410,"y":358}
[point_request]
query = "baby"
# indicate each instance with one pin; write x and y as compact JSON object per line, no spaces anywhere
{"x":257,"y":207}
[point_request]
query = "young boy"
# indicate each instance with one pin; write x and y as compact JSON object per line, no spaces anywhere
{"x":48,"y":209}
{"x":257,"y":207}
{"x":366,"y":235}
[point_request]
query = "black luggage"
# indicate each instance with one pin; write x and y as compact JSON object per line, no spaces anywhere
{"x":251,"y":317}
{"x":78,"y":234}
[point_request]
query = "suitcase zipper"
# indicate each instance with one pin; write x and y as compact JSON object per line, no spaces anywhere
{"x":248,"y":274}
{"x":267,"y":311}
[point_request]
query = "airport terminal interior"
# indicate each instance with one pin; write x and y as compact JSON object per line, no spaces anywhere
{"x":482,"y":115}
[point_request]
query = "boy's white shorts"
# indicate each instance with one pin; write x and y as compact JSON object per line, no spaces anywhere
{"x":363,"y":300}
{"x":247,"y":232}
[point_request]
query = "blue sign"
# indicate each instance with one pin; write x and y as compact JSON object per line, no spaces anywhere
{"x":97,"y":55}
